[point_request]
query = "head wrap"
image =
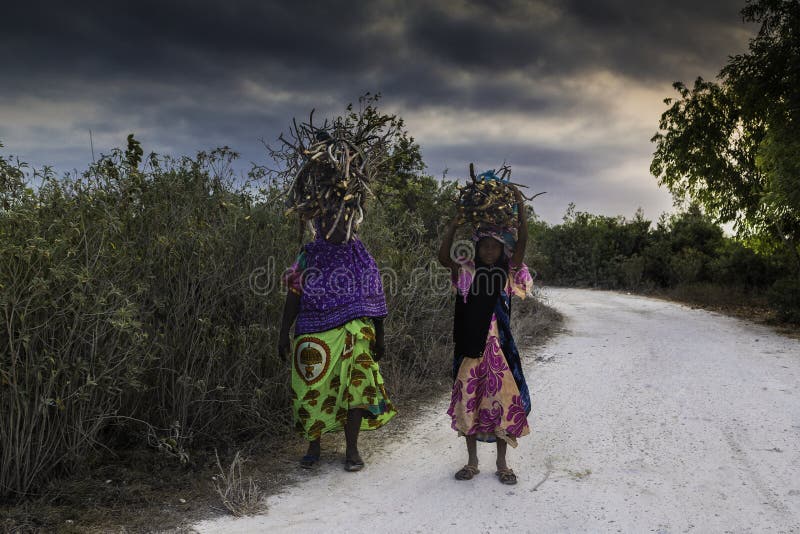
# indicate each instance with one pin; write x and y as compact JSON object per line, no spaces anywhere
{"x":506,"y":236}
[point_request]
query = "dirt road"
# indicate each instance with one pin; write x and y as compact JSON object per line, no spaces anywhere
{"x":647,"y":416}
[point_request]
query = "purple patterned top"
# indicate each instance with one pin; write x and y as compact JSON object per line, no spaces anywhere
{"x":519,"y":281}
{"x":337,"y":282}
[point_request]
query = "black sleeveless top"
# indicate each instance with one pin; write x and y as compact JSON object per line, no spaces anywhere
{"x":472,"y":318}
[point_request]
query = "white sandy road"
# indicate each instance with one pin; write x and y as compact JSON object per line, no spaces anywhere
{"x":648,"y":416}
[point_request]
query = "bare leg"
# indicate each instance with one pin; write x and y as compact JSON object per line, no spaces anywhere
{"x":351,"y":430}
{"x":506,"y":475}
{"x":502,"y":447}
{"x":472,"y":450}
{"x":471,"y":469}
{"x":314,"y":448}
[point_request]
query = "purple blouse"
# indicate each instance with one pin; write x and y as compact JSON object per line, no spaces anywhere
{"x":336,"y":282}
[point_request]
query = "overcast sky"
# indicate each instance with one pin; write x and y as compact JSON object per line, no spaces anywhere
{"x":568,"y":93}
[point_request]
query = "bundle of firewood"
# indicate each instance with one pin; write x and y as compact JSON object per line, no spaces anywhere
{"x":490,"y":198}
{"x":329,"y":167}
{"x":331,"y":183}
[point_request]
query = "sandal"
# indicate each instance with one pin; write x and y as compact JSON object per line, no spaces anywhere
{"x":353,"y":465}
{"x":309,"y":460}
{"x":506,"y":476}
{"x":467,"y":472}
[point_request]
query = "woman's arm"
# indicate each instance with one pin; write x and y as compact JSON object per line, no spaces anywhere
{"x":380,"y":345}
{"x":290,"y":310}
{"x":522,"y":231}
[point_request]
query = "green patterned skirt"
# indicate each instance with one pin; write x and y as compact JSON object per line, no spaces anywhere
{"x":333,"y":372}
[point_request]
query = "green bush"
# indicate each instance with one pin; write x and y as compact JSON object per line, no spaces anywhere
{"x":633,"y":271}
{"x":736,"y":265}
{"x":72,"y":334}
{"x":588,"y":250}
{"x":684,"y":249}
{"x":784,"y":296}
{"x":126,"y":298}
{"x":686,"y":267}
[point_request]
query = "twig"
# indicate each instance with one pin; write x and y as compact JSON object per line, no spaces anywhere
{"x":549,"y":466}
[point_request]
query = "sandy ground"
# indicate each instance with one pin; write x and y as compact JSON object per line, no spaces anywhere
{"x":648,"y":416}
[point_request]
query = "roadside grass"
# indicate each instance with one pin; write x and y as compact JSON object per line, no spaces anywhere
{"x":241,"y":495}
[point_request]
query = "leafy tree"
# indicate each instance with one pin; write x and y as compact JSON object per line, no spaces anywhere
{"x":693,"y":229}
{"x":732,"y":145}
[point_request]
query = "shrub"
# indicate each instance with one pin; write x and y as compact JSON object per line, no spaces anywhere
{"x":686,"y":266}
{"x":734,"y":264}
{"x":72,"y":337}
{"x":633,"y":271}
{"x":784,"y":296}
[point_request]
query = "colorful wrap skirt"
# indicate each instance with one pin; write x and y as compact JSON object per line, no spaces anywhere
{"x":333,"y":372}
{"x":490,"y":397}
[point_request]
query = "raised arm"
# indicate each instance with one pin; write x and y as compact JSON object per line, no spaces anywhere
{"x":522,"y":230}
{"x":447,"y":244}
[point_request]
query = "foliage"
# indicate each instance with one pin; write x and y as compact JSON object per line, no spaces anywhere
{"x":614,"y":252}
{"x":12,"y":182}
{"x":125,"y":300}
{"x":587,"y":249}
{"x":140,"y":304}
{"x":732,"y":145}
{"x":784,"y":296}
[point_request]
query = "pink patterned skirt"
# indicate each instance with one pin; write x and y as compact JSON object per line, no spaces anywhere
{"x":485,"y":401}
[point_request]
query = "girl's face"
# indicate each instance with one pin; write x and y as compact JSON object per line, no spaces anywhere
{"x":489,"y":250}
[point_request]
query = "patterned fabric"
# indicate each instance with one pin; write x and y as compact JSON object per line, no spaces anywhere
{"x":490,"y":397}
{"x":333,"y":372}
{"x":336,"y":282}
{"x":519,"y":283}
{"x":486,"y":401}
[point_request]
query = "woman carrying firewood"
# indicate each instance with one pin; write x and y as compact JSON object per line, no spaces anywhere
{"x":335,"y":294}
{"x":336,"y":301}
{"x":490,"y":399}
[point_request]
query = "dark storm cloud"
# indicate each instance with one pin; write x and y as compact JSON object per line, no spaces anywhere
{"x":659,"y":40}
{"x":192,"y":75}
{"x":642,"y":39}
{"x":160,"y":39}
{"x":211,"y":42}
{"x":476,"y":42}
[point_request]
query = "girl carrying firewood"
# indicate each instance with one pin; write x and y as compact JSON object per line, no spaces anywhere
{"x":490,"y":399}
